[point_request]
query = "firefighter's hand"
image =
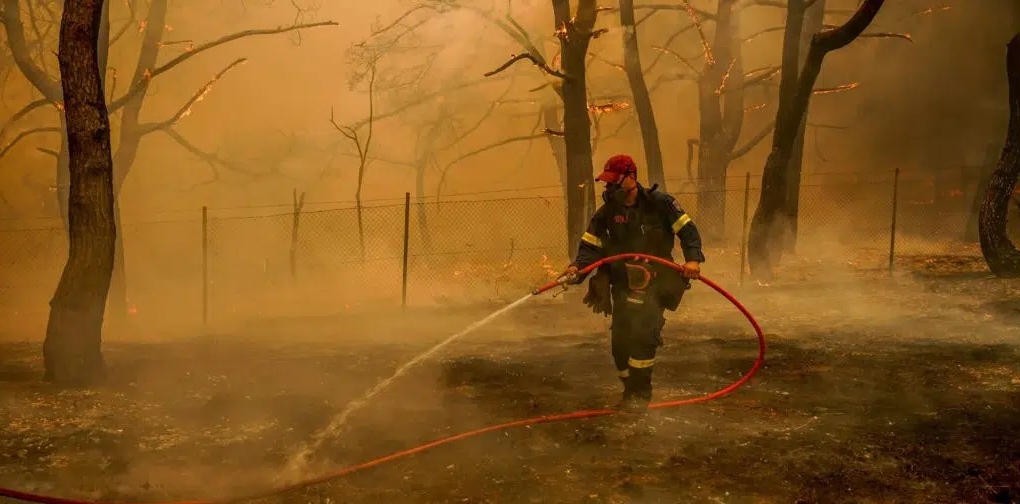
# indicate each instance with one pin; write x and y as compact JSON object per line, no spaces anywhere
{"x":692,"y":270}
{"x":570,"y":276}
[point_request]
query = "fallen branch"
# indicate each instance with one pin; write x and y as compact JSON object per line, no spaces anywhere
{"x":527,"y":56}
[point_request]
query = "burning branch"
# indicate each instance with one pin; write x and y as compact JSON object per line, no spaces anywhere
{"x":904,"y":36}
{"x":527,"y":56}
{"x":185,"y":109}
{"x":709,"y":59}
{"x":606,"y":108}
{"x":679,"y":57}
{"x":837,"y":89}
{"x":662,"y":51}
{"x":139,"y":86}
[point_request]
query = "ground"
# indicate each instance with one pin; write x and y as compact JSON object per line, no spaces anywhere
{"x":875,"y":390}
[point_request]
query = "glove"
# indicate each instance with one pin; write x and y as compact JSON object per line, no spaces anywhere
{"x":599,"y":297}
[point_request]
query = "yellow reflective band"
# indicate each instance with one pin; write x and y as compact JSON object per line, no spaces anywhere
{"x":635,"y":300}
{"x":591,"y":239}
{"x":681,"y":221}
{"x":640,"y":364}
{"x":625,"y":373}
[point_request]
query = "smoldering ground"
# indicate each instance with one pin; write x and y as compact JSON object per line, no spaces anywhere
{"x":873,"y":388}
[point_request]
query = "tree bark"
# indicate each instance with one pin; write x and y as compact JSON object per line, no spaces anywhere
{"x":985,"y":172}
{"x":765,"y":239}
{"x":424,"y":156}
{"x":575,"y":36}
{"x":641,"y":97}
{"x":551,"y":121}
{"x":812,"y":23}
{"x":72,"y":349}
{"x":1001,"y":255}
{"x":721,"y":111}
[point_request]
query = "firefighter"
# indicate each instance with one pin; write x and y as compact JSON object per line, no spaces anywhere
{"x":635,"y":293}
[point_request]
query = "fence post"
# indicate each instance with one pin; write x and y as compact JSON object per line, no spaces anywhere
{"x":407,"y":234}
{"x":205,"y":266}
{"x":298,"y":205}
{"x":743,"y":234}
{"x":892,"y":227}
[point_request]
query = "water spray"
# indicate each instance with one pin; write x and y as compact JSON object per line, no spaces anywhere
{"x":342,"y":416}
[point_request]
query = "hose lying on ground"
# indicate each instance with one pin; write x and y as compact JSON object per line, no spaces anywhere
{"x":43,"y":499}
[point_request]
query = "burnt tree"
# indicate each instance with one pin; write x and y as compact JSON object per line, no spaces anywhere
{"x":575,"y":33}
{"x":129,"y":104}
{"x":641,"y":97}
{"x":72,"y":349}
{"x":1001,"y":255}
{"x":721,"y":84}
{"x":769,"y":224}
{"x":812,"y":21}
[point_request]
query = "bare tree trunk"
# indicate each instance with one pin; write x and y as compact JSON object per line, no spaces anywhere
{"x":765,"y":239}
{"x":551,"y":122}
{"x":642,"y":98}
{"x":575,"y":36}
{"x":63,"y":174}
{"x":721,"y":110}
{"x":812,"y":24}
{"x":73,"y":347}
{"x":984,"y":177}
{"x":426,"y":146}
{"x":1001,"y":255}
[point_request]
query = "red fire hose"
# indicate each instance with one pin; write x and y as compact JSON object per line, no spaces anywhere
{"x":43,"y":499}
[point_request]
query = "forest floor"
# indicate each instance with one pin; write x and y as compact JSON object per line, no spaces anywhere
{"x":875,"y":389}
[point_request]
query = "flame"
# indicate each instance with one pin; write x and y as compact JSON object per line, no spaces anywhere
{"x":608,"y":107}
{"x":133,"y":310}
{"x":142,"y":25}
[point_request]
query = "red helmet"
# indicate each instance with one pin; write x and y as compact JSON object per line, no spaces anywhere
{"x":616,"y":168}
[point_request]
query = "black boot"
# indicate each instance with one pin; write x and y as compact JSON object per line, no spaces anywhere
{"x":633,"y":400}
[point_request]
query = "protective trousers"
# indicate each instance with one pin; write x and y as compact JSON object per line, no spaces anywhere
{"x":636,"y":336}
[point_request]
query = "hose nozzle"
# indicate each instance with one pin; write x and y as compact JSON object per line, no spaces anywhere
{"x":563,"y":281}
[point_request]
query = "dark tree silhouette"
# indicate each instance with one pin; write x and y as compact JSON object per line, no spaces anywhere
{"x":641,"y":96}
{"x":1001,"y":255}
{"x":768,"y":226}
{"x":72,"y":349}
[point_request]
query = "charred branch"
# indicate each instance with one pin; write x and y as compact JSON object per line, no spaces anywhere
{"x":139,"y":86}
{"x":27,"y":133}
{"x":530,"y":57}
{"x":752,"y":142}
{"x":185,"y":110}
{"x":482,"y":150}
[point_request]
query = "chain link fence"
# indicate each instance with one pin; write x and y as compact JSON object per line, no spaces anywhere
{"x":212,"y":268}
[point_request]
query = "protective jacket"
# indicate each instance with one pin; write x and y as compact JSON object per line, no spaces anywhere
{"x":650,"y":226}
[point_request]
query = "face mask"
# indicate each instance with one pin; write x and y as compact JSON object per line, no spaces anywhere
{"x":616,"y":194}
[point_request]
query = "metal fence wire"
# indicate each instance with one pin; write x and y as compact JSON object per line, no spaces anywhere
{"x":210,"y":268}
